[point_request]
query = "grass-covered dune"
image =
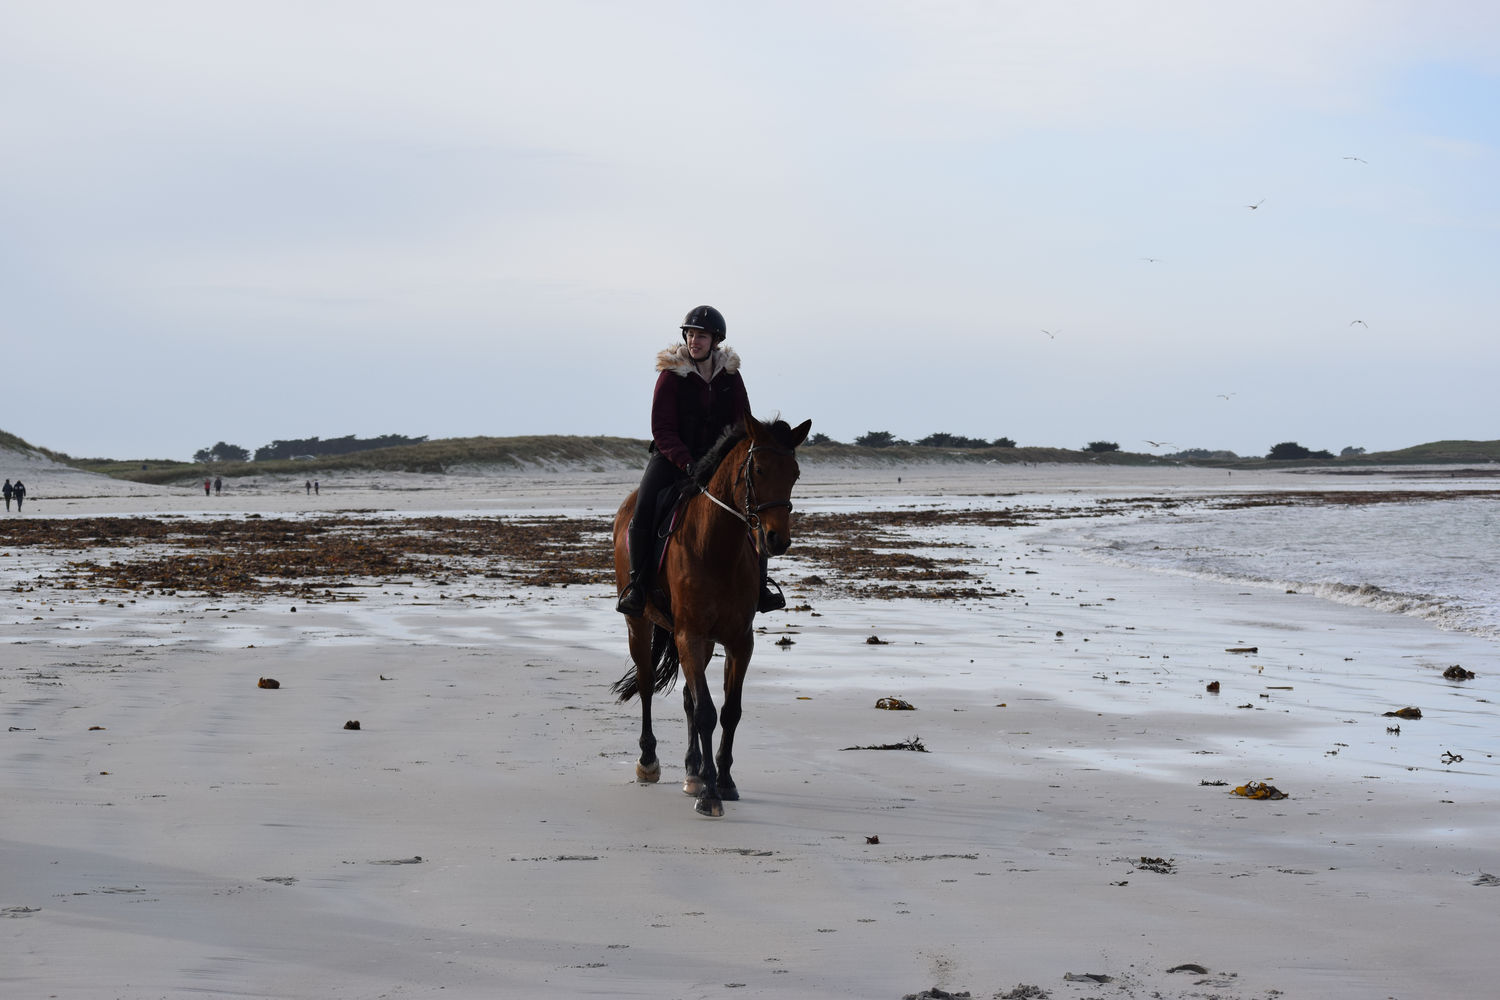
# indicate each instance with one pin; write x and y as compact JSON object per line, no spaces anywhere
{"x":556,"y":452}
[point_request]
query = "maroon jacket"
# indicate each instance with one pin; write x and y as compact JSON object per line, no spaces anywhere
{"x":687,"y":413}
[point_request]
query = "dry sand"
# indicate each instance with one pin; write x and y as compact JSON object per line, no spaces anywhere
{"x":170,"y":829}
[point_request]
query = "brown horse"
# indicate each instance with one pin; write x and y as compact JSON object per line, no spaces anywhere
{"x":706,"y":592}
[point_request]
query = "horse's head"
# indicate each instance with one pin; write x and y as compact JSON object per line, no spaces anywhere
{"x":770,"y":473}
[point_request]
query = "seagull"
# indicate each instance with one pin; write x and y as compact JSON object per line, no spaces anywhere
{"x":1356,"y":159}
{"x":1158,"y":444}
{"x":1151,"y":260}
{"x":1256,"y":205}
{"x":1225,"y":395}
{"x":1359,"y":322}
{"x":1050,"y":334}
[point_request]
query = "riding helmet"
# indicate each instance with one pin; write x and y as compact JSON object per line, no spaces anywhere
{"x":705,"y":318}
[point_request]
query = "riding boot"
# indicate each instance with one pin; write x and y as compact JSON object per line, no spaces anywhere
{"x":770,"y":600}
{"x":632,"y":600}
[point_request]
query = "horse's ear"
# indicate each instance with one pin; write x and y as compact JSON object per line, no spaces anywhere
{"x":799,"y":433}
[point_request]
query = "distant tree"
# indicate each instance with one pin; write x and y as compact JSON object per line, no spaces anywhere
{"x":1351,"y":452}
{"x":1003,"y":443}
{"x":222,"y":452}
{"x":875,"y":439}
{"x":1102,"y":446}
{"x":1221,"y":455}
{"x":945,"y":440}
{"x":333,"y":446}
{"x":1287,"y":451}
{"x":821,"y":439}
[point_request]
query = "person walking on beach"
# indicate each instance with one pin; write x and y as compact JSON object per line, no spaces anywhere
{"x":18,"y":490}
{"x":208,"y":485}
{"x":699,"y":394}
{"x":316,"y":490}
{"x":8,"y":491}
{"x":218,"y":486}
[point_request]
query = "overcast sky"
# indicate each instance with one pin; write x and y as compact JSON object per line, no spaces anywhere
{"x":265,"y":220}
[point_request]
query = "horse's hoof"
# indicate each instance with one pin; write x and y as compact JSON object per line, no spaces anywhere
{"x":692,"y":785}
{"x":712,"y":808}
{"x":648,"y":775}
{"x":729,"y":793}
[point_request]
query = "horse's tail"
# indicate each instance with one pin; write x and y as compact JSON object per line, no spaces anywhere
{"x":663,"y":661}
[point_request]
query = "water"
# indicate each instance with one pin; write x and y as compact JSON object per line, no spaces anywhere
{"x":1437,"y":559}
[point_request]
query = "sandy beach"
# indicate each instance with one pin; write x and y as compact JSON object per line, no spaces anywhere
{"x":170,"y":828}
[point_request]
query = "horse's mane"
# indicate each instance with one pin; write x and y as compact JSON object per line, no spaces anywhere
{"x":705,"y":467}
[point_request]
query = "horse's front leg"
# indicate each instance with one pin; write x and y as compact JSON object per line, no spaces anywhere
{"x":736,"y":662}
{"x":702,"y":777}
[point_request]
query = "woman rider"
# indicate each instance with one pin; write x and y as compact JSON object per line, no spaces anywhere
{"x":699,"y":394}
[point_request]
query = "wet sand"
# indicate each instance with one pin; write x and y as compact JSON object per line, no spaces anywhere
{"x":170,"y":828}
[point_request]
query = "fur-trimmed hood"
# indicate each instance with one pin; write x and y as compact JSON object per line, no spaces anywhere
{"x":675,"y":359}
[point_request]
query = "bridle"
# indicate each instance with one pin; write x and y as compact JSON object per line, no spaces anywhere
{"x":753,"y":510}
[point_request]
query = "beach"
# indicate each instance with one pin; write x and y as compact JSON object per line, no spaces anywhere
{"x":1069,"y":826}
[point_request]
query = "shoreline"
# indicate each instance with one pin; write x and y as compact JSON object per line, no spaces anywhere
{"x":214,"y":836}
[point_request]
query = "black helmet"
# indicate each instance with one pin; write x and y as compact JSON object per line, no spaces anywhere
{"x":705,"y":318}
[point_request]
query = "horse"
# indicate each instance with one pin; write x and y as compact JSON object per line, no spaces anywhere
{"x":706,"y":592}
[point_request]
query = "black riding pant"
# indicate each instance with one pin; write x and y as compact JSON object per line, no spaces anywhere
{"x":660,"y":473}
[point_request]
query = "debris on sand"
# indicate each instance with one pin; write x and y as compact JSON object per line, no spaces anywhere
{"x":1485,"y":878}
{"x":269,"y":683}
{"x":1458,"y":673}
{"x":1192,"y":967}
{"x":1025,"y":991}
{"x":1213,"y":687}
{"x":873,"y":839}
{"x":1404,"y":713}
{"x":896,"y":705}
{"x":1259,"y":790}
{"x":1087,"y":977}
{"x":352,"y":724}
{"x":1449,"y":757}
{"x":786,"y":641}
{"x":936,"y":994}
{"x":1162,"y":866}
{"x":875,"y":640}
{"x":1242,"y":649}
{"x":915,"y":743}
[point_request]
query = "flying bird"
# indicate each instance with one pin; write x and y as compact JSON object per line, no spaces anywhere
{"x":1050,"y":334}
{"x":1158,"y":444}
{"x":1151,"y":260}
{"x":1359,"y":322}
{"x":1256,"y":205}
{"x":1356,"y":159}
{"x":1225,"y":395}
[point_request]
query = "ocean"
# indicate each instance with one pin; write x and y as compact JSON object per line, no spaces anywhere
{"x":1435,"y":557}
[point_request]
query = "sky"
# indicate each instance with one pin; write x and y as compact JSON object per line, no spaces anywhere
{"x":253,"y":221}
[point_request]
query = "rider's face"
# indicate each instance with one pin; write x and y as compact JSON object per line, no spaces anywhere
{"x":700,"y":343}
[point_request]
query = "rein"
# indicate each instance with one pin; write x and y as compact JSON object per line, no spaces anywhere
{"x":753,"y":510}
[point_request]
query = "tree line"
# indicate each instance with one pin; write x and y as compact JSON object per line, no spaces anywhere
{"x":302,"y":448}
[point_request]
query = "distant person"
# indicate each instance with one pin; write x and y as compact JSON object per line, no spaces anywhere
{"x":218,"y":485}
{"x":699,"y":394}
{"x":18,"y":490}
{"x":8,"y":491}
{"x":208,"y":486}
{"x":309,"y":487}
{"x":315,"y":487}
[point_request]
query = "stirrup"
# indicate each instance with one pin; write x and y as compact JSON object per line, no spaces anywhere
{"x":632,"y":600}
{"x":770,"y":600}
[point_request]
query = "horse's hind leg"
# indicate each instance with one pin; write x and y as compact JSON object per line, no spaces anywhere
{"x":697,"y":699}
{"x":648,"y":767}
